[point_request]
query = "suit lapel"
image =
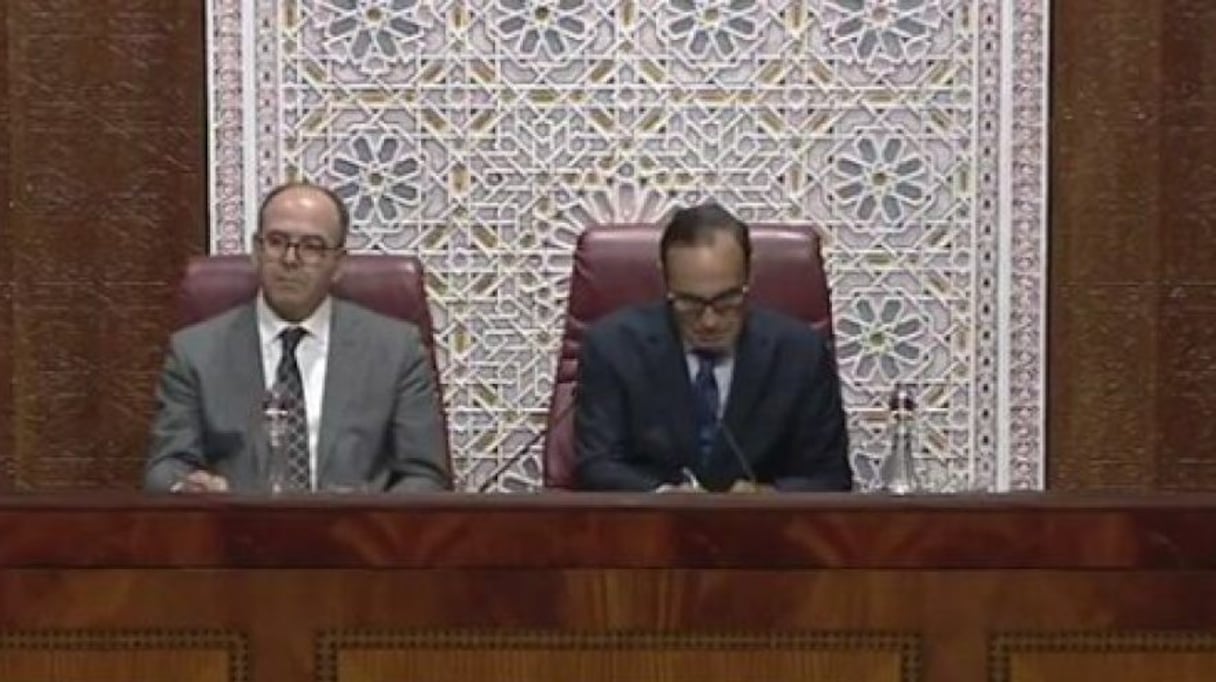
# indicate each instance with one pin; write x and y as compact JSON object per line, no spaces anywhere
{"x":341,"y":379}
{"x":673,"y":388}
{"x":245,"y":379}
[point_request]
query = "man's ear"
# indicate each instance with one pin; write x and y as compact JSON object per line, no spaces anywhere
{"x":340,"y":266}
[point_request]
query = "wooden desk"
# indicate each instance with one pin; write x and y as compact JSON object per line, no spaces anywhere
{"x":565,"y":587}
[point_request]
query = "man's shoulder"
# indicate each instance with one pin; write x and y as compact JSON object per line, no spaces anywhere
{"x":783,"y":327}
{"x":349,"y":312}
{"x":213,"y":328}
{"x":632,"y":320}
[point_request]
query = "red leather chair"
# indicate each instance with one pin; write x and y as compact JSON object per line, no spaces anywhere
{"x":617,"y":265}
{"x":388,"y":284}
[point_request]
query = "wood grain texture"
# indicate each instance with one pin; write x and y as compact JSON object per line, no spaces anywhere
{"x":457,"y":656}
{"x":492,"y":586}
{"x":120,"y":656}
{"x":1133,"y":246}
{"x":104,"y":161}
{"x":615,"y":531}
{"x":1125,"y":656}
{"x":6,"y":267}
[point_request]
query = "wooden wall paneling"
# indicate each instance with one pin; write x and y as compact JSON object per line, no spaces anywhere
{"x":6,"y":265}
{"x":1133,"y":246}
{"x":1186,"y":453}
{"x":106,"y":137}
{"x":1187,"y":449}
{"x":1105,"y":208}
{"x":1187,"y":135}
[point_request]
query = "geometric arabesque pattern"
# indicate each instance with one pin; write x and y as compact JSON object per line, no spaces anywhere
{"x":484,"y":135}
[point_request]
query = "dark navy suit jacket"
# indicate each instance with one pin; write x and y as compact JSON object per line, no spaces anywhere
{"x":634,"y":423}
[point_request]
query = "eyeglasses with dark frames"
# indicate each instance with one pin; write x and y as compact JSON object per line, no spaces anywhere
{"x":310,"y":250}
{"x":728,"y":302}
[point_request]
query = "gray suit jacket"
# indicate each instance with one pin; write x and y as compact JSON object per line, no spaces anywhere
{"x":380,"y":424}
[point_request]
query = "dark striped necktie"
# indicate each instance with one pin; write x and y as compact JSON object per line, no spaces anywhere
{"x":289,"y":385}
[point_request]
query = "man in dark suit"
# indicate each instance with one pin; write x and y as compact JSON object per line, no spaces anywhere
{"x":702,"y":391}
{"x":348,"y":393}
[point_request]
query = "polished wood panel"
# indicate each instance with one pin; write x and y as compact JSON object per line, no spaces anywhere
{"x":822,"y":587}
{"x":122,"y":656}
{"x":1132,"y":303}
{"x":102,"y":199}
{"x":1128,"y":657}
{"x":455,"y":656}
{"x":588,"y":530}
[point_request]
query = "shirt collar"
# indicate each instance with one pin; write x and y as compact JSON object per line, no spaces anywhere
{"x":719,"y":356}
{"x":270,"y":325}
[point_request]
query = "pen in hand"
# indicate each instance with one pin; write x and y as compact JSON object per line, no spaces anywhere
{"x":689,"y":479}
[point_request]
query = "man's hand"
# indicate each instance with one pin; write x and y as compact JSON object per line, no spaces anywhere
{"x":199,"y":481}
{"x":742,"y":486}
{"x":681,"y":488}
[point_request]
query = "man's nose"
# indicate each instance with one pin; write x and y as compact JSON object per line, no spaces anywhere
{"x":291,"y":253}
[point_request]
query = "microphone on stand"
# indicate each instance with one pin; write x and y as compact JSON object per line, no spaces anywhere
{"x":518,"y":456}
{"x":733,"y":446}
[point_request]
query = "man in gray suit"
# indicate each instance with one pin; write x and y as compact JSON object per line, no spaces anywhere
{"x":352,"y":396}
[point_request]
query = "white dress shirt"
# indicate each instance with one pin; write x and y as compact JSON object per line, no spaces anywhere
{"x":724,"y":372}
{"x":311,"y":356}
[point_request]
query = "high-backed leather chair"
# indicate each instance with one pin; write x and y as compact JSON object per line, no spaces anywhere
{"x":617,"y":266}
{"x":392,"y":285}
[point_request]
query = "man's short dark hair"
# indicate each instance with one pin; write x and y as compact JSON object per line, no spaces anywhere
{"x":700,"y":225}
{"x":339,"y":205}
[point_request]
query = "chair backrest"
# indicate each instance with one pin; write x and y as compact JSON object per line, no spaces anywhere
{"x":617,"y":265}
{"x":392,"y":285}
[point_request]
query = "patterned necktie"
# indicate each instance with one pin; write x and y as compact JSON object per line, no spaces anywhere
{"x":705,"y":392}
{"x":289,"y":386}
